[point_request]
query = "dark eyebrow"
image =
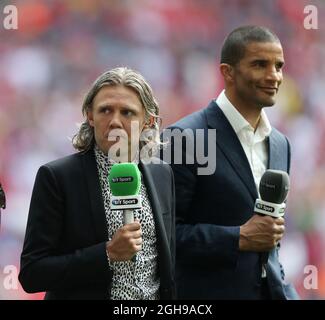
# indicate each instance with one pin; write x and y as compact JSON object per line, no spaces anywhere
{"x":126,"y":107}
{"x":104,"y":106}
{"x":129,"y":108}
{"x":258,"y":60}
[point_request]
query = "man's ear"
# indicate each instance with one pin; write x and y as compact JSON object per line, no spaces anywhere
{"x":90,"y":117}
{"x":227,"y":72}
{"x":149,"y":123}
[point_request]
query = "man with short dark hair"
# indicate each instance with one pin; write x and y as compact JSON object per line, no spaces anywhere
{"x":220,"y":241}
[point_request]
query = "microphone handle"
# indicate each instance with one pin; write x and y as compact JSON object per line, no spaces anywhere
{"x":128,"y":217}
{"x":274,"y":210}
{"x":264,"y":255}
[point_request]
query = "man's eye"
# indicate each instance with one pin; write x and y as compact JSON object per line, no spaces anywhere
{"x":260,"y":64}
{"x":104,"y":110}
{"x":128,"y":113}
{"x":279,"y":66}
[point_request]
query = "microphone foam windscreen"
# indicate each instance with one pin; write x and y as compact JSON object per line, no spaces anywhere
{"x":274,"y":186}
{"x":124,"y":179}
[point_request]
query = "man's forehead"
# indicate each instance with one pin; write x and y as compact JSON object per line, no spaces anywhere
{"x":107,"y":93}
{"x":263,"y":49}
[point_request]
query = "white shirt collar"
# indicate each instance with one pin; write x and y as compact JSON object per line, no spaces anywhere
{"x":238,"y":122}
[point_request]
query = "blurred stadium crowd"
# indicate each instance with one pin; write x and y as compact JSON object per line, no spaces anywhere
{"x":61,"y":46}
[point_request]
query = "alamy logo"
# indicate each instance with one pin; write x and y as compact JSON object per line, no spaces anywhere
{"x":10,"y":281}
{"x":192,"y":147}
{"x":311,"y":280}
{"x":10,"y":21}
{"x":311,"y":19}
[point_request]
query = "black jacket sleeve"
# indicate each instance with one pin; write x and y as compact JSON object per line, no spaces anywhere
{"x":45,"y":264}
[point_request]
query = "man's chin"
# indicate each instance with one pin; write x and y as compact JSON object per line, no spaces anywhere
{"x":267,"y":102}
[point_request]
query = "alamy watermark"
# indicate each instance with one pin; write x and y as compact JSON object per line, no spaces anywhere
{"x":10,"y":281}
{"x":311,"y":280}
{"x":10,"y":19}
{"x":311,"y":18}
{"x":189,"y":147}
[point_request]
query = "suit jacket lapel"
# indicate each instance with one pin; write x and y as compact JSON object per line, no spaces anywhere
{"x":230,"y":145}
{"x":277,"y":154}
{"x":95,"y":195}
{"x":162,"y":241}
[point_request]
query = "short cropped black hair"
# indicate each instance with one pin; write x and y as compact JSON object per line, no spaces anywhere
{"x":233,"y":49}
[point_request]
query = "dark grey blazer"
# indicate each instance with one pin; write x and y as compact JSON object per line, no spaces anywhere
{"x":210,"y":210}
{"x":64,"y":249}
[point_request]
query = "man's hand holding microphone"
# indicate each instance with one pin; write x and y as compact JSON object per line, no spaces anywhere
{"x":265,"y":229}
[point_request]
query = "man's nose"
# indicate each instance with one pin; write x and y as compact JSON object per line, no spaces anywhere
{"x":116,"y":121}
{"x":274,"y":75}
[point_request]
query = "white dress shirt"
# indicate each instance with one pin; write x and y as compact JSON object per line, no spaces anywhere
{"x":253,"y":143}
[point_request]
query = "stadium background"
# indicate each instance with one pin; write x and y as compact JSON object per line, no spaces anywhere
{"x":61,"y":46}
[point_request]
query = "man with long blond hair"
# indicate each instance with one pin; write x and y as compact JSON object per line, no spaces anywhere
{"x":75,"y":246}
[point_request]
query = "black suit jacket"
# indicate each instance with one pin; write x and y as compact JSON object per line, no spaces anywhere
{"x":210,"y":210}
{"x":64,"y":250}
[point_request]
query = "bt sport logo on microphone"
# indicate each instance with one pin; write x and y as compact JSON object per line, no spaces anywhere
{"x":125,"y":202}
{"x":122,"y":179}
